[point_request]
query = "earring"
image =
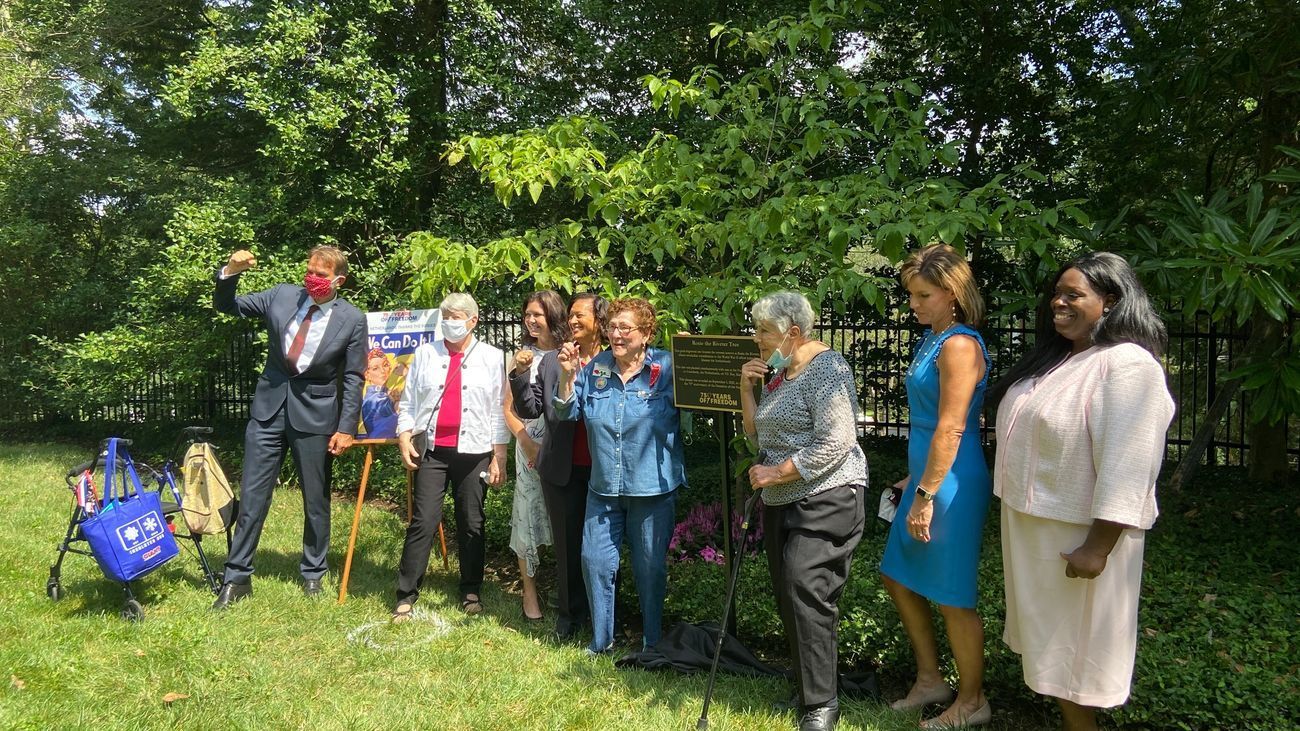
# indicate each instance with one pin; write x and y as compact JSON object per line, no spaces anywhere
{"x":1105,"y":311}
{"x":954,"y":310}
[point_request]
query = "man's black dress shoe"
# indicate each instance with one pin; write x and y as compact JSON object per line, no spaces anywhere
{"x":821,"y":718}
{"x":311,"y":587}
{"x":231,"y":593}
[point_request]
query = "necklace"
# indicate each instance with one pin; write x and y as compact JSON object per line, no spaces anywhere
{"x":930,"y":345}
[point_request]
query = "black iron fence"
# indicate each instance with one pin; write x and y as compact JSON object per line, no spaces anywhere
{"x":877,"y":346}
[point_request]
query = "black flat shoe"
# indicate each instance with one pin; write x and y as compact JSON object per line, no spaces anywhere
{"x":529,"y":619}
{"x":403,"y":611}
{"x":311,"y":587}
{"x":230,"y":594}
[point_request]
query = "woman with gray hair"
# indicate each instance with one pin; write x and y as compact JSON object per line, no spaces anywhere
{"x":451,"y":428}
{"x":813,"y":475}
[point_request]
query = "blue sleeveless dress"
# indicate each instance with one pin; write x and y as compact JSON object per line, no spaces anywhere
{"x":944,"y":569}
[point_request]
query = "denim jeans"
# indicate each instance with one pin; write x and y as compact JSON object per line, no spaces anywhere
{"x":647,"y":523}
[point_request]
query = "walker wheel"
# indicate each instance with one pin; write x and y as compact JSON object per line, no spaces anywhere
{"x":54,"y":590}
{"x":132,"y":611}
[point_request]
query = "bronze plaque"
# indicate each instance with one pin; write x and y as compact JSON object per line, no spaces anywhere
{"x":706,"y":370}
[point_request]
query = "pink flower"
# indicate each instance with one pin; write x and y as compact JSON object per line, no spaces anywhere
{"x":709,"y":554}
{"x":699,"y":534}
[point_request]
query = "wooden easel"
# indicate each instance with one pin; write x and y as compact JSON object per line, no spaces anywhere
{"x":370,"y":445}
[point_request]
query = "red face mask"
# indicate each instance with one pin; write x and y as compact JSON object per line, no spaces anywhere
{"x":317,"y":286}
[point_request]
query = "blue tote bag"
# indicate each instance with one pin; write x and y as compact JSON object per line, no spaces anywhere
{"x":128,"y":536}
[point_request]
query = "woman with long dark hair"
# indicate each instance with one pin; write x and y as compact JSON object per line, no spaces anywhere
{"x":564,"y":460}
{"x":1081,"y":435}
{"x":544,"y":330}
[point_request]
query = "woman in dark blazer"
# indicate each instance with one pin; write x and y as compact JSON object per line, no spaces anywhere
{"x":563,"y":463}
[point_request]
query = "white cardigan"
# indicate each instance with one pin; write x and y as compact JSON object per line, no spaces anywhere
{"x":1085,"y":441}
{"x":483,"y":421}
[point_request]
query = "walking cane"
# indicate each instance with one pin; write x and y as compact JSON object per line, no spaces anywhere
{"x":703,"y":722}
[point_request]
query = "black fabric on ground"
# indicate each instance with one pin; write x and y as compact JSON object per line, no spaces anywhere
{"x":860,"y":685}
{"x":688,"y":648}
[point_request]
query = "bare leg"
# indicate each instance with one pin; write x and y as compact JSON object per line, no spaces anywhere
{"x":918,"y":622}
{"x":1075,"y":717}
{"x":532,"y":608}
{"x":966,"y":635}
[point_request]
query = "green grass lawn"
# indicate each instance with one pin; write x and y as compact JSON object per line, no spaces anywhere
{"x":280,"y":660}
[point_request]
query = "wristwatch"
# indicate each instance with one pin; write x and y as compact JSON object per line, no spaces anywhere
{"x":926,"y":496}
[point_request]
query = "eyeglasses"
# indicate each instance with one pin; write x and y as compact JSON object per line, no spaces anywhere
{"x":620,"y":330}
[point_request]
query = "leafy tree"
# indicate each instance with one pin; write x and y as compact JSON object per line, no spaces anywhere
{"x":793,"y":173}
{"x":1227,"y":80}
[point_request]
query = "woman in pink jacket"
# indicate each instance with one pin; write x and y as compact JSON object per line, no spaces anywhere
{"x":1080,"y":438}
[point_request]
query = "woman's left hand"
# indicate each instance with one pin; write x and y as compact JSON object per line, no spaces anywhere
{"x":1082,"y":563}
{"x":918,"y":519}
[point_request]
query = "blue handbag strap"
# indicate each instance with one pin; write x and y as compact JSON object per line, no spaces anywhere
{"x":110,"y":473}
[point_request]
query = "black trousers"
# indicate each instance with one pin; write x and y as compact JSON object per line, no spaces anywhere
{"x":437,"y":468}
{"x":265,"y":443}
{"x":809,"y":550}
{"x":566,"y":506}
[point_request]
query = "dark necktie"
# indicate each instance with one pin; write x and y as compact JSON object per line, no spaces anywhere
{"x":300,"y":339}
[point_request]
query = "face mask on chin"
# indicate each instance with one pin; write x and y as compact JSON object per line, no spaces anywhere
{"x":777,"y":360}
{"x":454,"y":331}
{"x":317,"y":286}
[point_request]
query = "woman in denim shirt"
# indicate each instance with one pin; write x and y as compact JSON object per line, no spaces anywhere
{"x":625,"y":397}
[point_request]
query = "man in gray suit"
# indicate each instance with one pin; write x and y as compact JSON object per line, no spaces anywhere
{"x":308,"y":401}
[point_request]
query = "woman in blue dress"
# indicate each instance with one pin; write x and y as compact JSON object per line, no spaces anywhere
{"x":934,"y":544}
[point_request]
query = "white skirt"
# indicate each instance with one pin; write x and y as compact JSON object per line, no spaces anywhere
{"x":1077,"y":638}
{"x":530,"y":526}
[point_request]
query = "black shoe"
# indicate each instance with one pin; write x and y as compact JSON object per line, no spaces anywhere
{"x":821,"y":718}
{"x":311,"y":587}
{"x":231,"y":593}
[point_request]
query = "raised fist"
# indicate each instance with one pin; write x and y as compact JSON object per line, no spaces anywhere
{"x":568,"y":358}
{"x":240,"y":261}
{"x":523,"y":360}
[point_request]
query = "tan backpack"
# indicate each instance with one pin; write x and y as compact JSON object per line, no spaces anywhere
{"x":206,"y":498}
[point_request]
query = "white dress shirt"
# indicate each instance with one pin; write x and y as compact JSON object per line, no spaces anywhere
{"x":318,"y":324}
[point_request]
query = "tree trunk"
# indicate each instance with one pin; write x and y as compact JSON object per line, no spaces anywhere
{"x":1191,"y":460}
{"x":1268,"y":457}
{"x":428,"y":103}
{"x":1278,"y":108}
